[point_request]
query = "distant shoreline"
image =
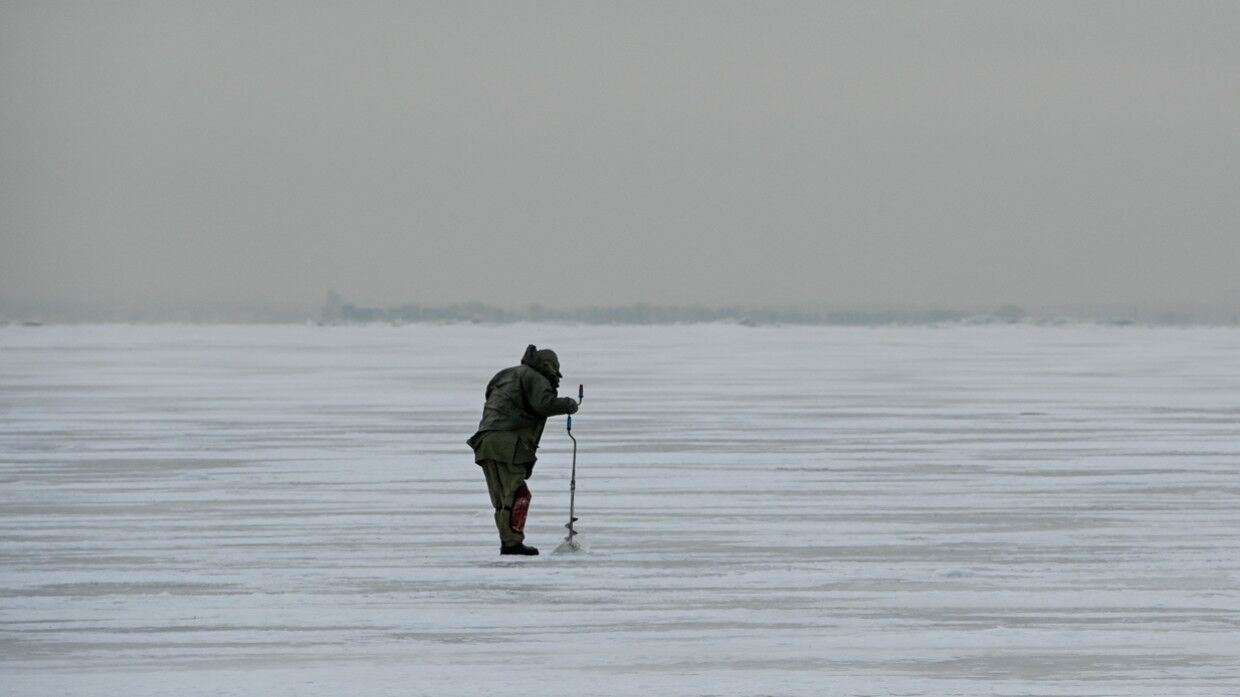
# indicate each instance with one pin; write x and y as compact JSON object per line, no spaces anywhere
{"x":340,"y":314}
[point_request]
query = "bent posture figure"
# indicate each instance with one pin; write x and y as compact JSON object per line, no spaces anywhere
{"x":519,"y":400}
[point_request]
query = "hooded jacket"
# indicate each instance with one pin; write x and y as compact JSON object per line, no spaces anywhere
{"x":519,"y":400}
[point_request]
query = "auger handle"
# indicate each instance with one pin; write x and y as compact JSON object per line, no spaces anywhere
{"x":581,"y":394}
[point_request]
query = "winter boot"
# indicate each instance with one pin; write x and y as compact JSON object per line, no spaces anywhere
{"x":519,"y":548}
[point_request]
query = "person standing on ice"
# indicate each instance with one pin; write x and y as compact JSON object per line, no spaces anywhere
{"x":519,"y":400}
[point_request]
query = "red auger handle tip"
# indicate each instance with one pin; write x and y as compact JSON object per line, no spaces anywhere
{"x":581,"y":392}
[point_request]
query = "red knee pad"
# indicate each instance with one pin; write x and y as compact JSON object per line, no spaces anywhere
{"x":521,"y":508}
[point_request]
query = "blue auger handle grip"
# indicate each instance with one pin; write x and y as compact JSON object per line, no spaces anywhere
{"x":570,"y":423}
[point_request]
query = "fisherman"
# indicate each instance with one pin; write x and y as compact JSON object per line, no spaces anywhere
{"x":519,"y":400}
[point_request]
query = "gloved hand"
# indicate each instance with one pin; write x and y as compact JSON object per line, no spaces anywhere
{"x":572,"y":405}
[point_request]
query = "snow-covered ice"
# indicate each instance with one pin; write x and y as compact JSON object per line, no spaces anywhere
{"x":1010,"y":510}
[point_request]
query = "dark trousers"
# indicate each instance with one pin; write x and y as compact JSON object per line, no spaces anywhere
{"x":503,"y":481}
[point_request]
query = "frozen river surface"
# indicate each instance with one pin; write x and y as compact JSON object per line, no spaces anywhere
{"x":770,"y":511}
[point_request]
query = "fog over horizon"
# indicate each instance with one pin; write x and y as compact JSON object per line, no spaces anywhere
{"x":959,"y":153}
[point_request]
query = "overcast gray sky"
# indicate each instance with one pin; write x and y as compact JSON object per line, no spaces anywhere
{"x":575,"y":153}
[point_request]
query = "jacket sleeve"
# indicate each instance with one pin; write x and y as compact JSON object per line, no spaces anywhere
{"x":541,"y":396}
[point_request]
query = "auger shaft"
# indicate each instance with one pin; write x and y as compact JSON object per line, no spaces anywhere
{"x":572,"y":482}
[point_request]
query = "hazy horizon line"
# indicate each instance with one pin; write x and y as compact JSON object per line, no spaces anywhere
{"x":639,"y":312}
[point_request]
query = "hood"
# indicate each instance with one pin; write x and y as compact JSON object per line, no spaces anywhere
{"x":544,"y":361}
